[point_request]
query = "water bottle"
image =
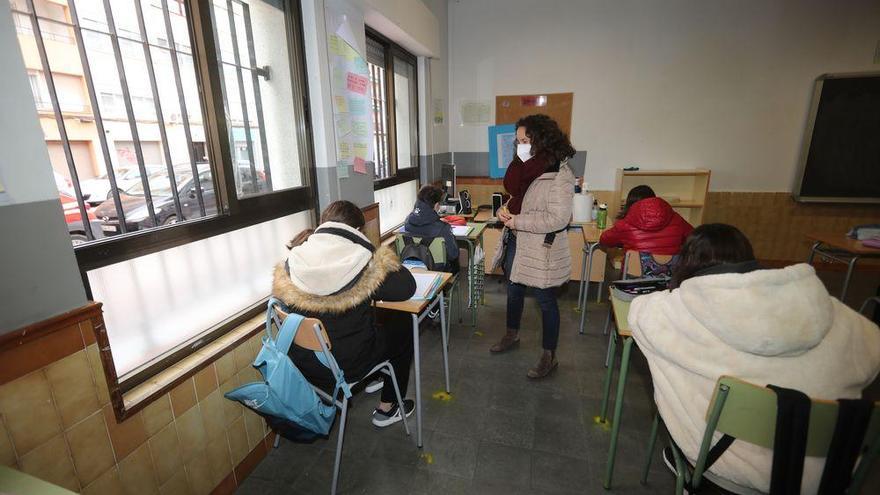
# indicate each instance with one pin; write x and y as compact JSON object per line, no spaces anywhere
{"x":594,"y":212}
{"x":602,"y":216}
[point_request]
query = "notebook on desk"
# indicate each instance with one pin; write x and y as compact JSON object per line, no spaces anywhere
{"x":462,"y":230}
{"x":426,"y":285}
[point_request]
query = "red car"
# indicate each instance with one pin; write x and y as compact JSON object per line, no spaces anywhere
{"x":73,"y":218}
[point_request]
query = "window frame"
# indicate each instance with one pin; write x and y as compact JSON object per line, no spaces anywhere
{"x":395,"y":175}
{"x":233,"y":213}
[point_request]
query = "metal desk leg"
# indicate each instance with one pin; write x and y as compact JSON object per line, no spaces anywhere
{"x":581,"y":284}
{"x":417,"y":367}
{"x":472,"y":274}
{"x":849,"y":272}
{"x":444,"y":332}
{"x":606,"y":386}
{"x":618,"y":410}
{"x":589,"y":267}
{"x":813,"y":252}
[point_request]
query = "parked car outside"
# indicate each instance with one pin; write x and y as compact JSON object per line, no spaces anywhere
{"x":73,"y":218}
{"x":99,"y":190}
{"x":137,"y":214}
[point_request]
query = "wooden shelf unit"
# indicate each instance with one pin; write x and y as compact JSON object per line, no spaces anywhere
{"x":686,"y":190}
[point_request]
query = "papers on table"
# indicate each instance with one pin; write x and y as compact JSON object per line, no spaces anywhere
{"x":426,"y":285}
{"x":461,"y":230}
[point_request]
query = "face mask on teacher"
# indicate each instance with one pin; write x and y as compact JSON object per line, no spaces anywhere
{"x":524,"y":151}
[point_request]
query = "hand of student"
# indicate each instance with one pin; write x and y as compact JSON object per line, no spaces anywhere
{"x":510,"y":223}
{"x":503,"y":214}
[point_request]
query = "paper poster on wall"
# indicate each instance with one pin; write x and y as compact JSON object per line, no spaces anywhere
{"x":475,"y":112}
{"x":439,"y":117}
{"x":501,"y":147}
{"x":350,"y":83}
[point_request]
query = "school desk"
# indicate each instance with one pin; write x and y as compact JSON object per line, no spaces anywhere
{"x":591,"y":233}
{"x":418,"y":310}
{"x":620,"y":309}
{"x":838,"y":247}
{"x":476,"y":274}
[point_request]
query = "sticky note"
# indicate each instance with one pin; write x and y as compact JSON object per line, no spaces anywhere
{"x":344,"y":151}
{"x":357,"y":83}
{"x":335,"y":45}
{"x":360,"y":166}
{"x":360,"y":128}
{"x":360,"y":149}
{"x":341,"y":104}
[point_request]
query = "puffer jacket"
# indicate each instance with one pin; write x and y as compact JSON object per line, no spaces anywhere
{"x":766,"y":326}
{"x":546,"y":208}
{"x":424,"y":221}
{"x":651,"y":226}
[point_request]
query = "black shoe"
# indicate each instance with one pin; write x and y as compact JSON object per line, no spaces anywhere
{"x":383,"y":419}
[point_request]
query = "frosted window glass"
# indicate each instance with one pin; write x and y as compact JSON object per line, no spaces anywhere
{"x":395,"y":203}
{"x":158,"y":301}
{"x":405,"y":113}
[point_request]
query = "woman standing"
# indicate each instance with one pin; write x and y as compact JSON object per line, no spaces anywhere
{"x":534,"y":249}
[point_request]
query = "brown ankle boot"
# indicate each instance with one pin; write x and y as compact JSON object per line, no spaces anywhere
{"x":546,"y":364}
{"x":509,"y":341}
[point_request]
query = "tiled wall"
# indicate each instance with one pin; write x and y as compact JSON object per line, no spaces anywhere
{"x":57,"y":424}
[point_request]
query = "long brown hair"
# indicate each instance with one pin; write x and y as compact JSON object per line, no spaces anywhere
{"x":709,"y":245}
{"x":341,"y":211}
{"x":635,"y":195}
{"x":546,"y":137}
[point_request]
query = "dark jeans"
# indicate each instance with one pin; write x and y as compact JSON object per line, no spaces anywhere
{"x":393,"y":342}
{"x":516,"y":294}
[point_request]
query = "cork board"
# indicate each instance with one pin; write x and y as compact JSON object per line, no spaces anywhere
{"x":510,"y":108}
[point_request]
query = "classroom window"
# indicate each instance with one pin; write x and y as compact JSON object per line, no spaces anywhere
{"x":178,"y":138}
{"x":393,"y":93}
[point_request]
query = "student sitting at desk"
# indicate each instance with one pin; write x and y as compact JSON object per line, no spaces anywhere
{"x":333,"y":274}
{"x":727,"y":316}
{"x":424,"y":221}
{"x":647,"y":224}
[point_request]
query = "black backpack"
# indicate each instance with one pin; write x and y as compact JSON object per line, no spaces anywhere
{"x":417,"y":250}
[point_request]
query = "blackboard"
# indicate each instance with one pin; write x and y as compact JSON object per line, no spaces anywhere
{"x":840,"y":161}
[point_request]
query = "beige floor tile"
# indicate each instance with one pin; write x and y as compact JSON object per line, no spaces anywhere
{"x":90,"y":447}
{"x":177,"y":485}
{"x":165,"y":448}
{"x":29,"y":411}
{"x":191,"y":432}
{"x":157,"y":414}
{"x":137,"y":472}
{"x":51,"y":462}
{"x":108,"y":483}
{"x":205,"y":381}
{"x":183,"y":397}
{"x":73,"y":387}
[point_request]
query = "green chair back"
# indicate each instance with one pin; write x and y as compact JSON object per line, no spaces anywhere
{"x":437,"y":247}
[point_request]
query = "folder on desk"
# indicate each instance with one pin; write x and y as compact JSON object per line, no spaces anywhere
{"x":426,"y":285}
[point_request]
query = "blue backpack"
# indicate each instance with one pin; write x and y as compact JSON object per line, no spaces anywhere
{"x":285,"y":398}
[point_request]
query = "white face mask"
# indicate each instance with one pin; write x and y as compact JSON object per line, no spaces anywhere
{"x":524,"y":151}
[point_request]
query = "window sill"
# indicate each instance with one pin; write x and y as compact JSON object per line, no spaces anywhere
{"x":159,"y":385}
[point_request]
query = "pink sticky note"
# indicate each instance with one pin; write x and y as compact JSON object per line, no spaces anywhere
{"x":357,"y":83}
{"x":360,"y":166}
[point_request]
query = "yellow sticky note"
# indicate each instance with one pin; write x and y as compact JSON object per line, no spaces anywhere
{"x":335,"y":45}
{"x":344,"y":150}
{"x":360,"y":150}
{"x":341,"y":105}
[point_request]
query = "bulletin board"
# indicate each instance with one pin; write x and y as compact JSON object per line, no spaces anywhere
{"x":510,"y":108}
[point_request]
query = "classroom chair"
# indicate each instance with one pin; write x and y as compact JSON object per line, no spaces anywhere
{"x":437,"y":248}
{"x":747,"y":412}
{"x":317,"y":340}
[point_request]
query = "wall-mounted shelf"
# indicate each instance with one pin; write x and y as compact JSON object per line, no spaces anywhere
{"x":685,"y":190}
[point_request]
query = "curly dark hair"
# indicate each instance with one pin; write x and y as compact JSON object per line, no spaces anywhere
{"x":546,"y":137}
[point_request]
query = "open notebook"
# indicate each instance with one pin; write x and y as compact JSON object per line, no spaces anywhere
{"x":426,"y":285}
{"x":461,"y":230}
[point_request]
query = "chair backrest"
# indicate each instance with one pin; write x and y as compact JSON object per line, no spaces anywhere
{"x":633,"y":263}
{"x":307,"y":338}
{"x":749,"y":415}
{"x":436,"y":246}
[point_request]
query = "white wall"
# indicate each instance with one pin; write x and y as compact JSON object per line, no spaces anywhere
{"x":718,"y":84}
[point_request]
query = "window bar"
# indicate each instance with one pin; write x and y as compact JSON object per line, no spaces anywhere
{"x":160,"y":118}
{"x":59,"y":119}
{"x":244,"y":111}
{"x":258,"y":99}
{"x":96,"y":112}
{"x":383,"y":116}
{"x":184,"y":115}
{"x":129,"y":110}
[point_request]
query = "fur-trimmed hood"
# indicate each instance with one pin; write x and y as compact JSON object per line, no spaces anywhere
{"x":383,"y":262}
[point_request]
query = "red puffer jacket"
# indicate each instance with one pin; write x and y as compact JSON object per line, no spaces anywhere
{"x":650,"y":226}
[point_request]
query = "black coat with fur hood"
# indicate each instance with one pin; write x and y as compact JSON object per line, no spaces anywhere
{"x":347,"y":314}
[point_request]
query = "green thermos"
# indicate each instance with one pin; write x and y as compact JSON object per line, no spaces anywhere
{"x":602,"y":216}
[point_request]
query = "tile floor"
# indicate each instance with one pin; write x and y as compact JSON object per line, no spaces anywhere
{"x":500,"y":432}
